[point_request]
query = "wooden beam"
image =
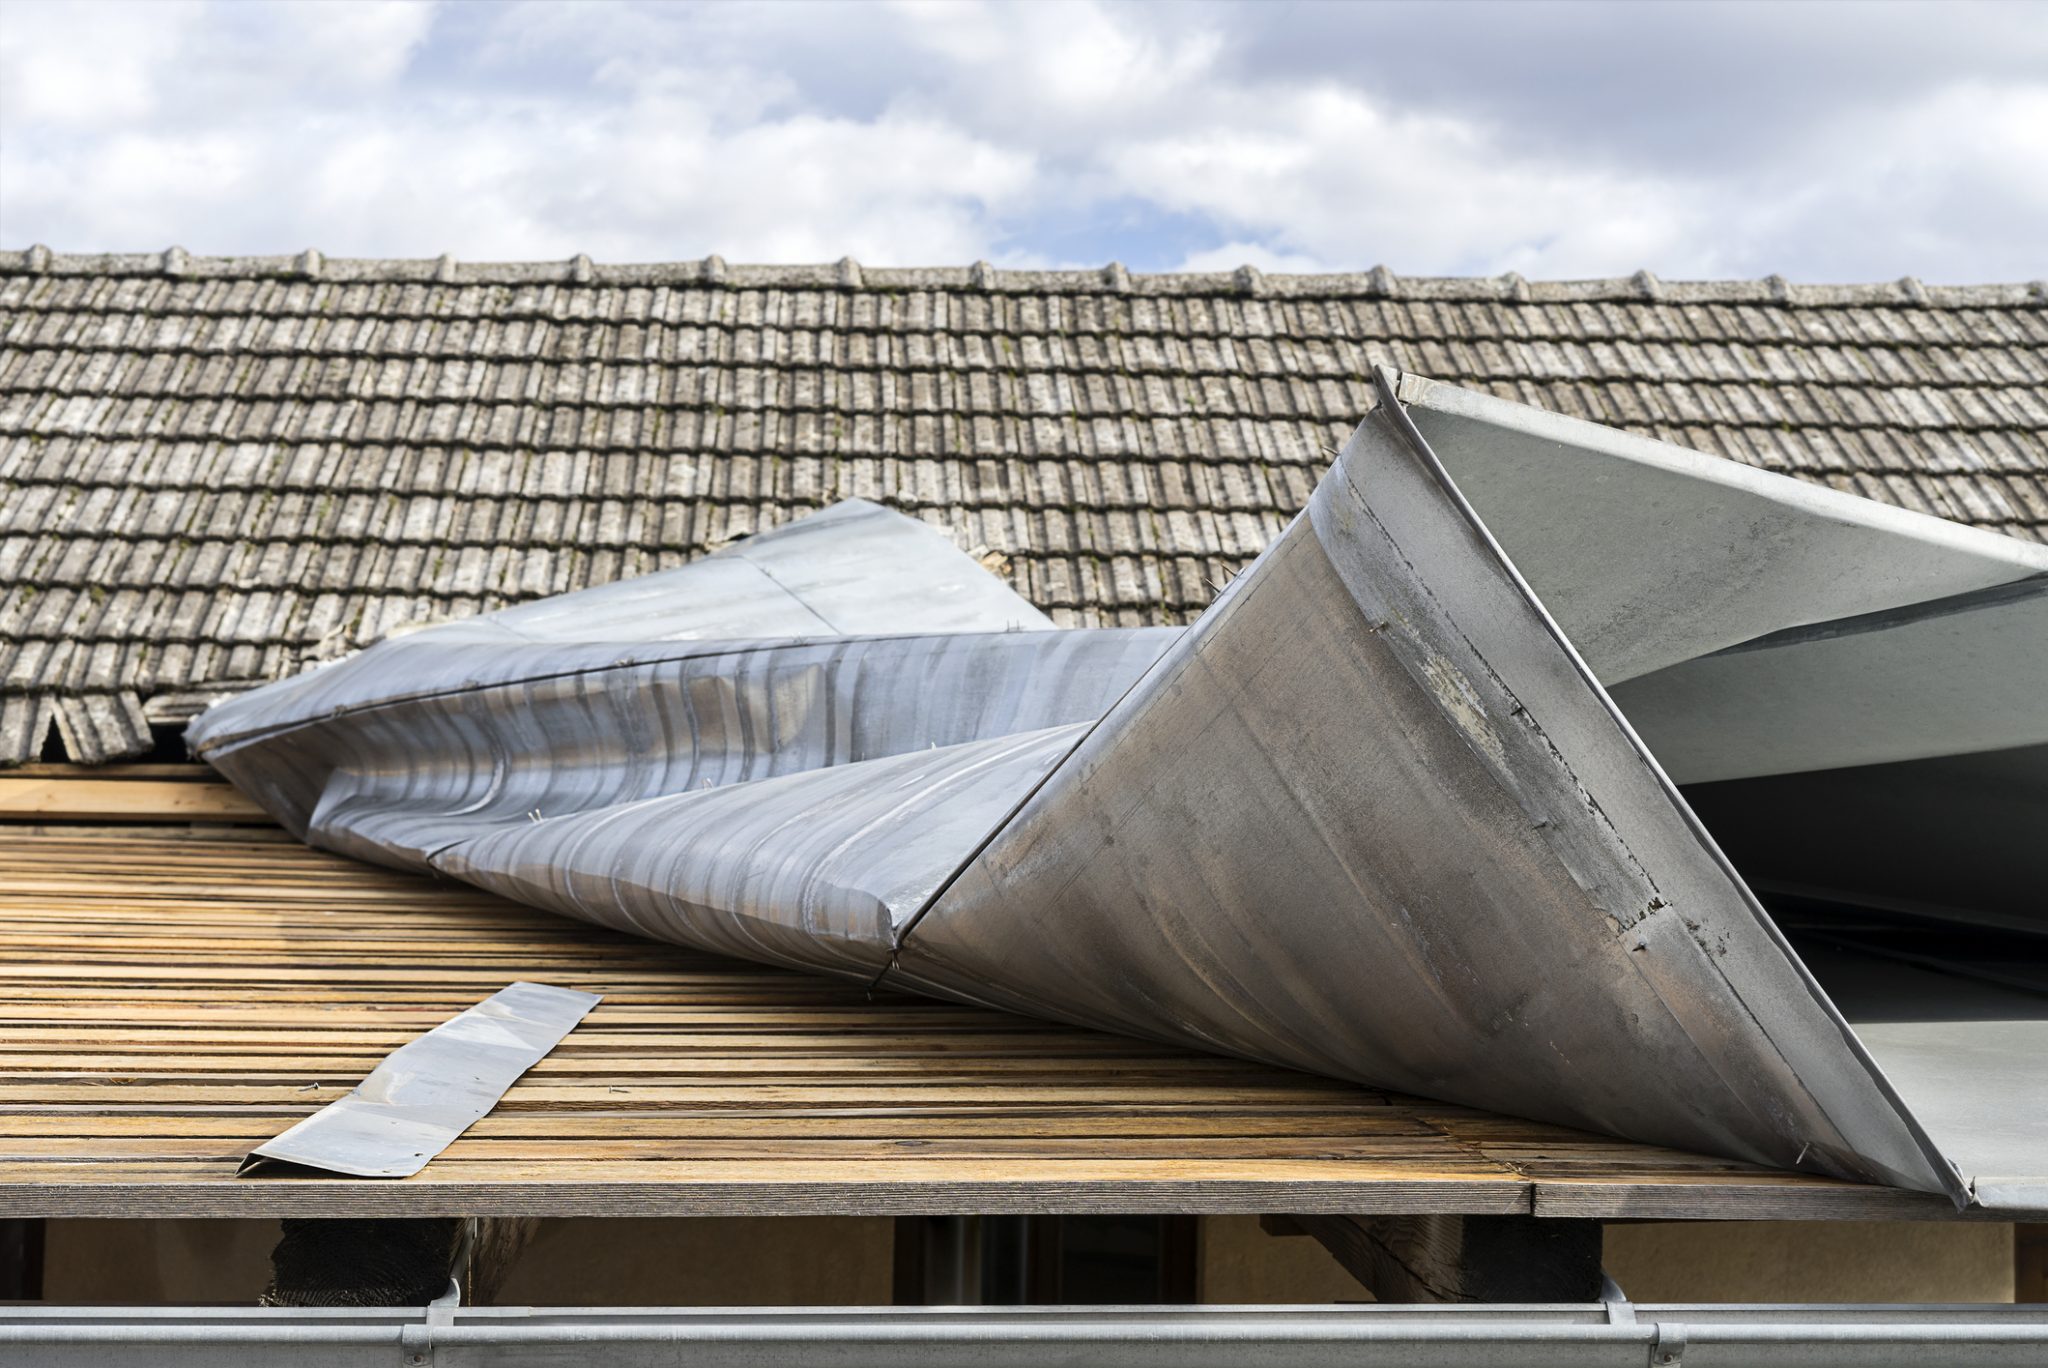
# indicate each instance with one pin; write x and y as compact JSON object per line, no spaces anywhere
{"x":122,"y":799}
{"x":498,"y":1244}
{"x":1459,"y":1258}
{"x":152,"y":769}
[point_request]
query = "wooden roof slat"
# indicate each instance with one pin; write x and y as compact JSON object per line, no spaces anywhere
{"x":167,"y":1001}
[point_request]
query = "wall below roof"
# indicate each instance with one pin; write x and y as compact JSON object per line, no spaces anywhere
{"x":800,"y":1261}
{"x":1761,"y":1261}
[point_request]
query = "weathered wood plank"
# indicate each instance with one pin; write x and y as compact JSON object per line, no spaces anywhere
{"x":188,"y":771}
{"x":952,"y":1123}
{"x":124,"y":800}
{"x":1734,"y":1196}
{"x":848,"y":1191}
{"x":167,"y":1003}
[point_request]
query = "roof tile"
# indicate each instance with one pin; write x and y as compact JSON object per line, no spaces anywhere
{"x":241,"y":469}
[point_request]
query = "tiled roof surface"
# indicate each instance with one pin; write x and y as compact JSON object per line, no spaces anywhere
{"x":215,"y":471}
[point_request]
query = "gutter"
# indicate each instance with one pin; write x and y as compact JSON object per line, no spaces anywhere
{"x":1591,"y":1335}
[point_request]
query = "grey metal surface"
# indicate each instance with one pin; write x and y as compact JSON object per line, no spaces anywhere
{"x":815,"y":870}
{"x":533,"y":732}
{"x":1961,"y":674}
{"x":1649,"y":554}
{"x":782,"y":790}
{"x":1371,"y":817}
{"x":1374,"y":815}
{"x":1749,"y":623}
{"x":430,"y":1090}
{"x":1971,"y":1057}
{"x":1571,"y":1336}
{"x":855,"y":569}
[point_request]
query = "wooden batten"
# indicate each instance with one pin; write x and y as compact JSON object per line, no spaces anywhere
{"x":154,"y":794}
{"x":169,"y":1001}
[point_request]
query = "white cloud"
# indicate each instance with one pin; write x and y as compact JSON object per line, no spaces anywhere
{"x":1325,"y":175}
{"x":645,"y":163}
{"x":1024,"y":133}
{"x":87,"y":66}
{"x":1073,"y":73}
{"x":1953,"y":176}
{"x":127,"y":64}
{"x":361,"y":43}
{"x":1231,"y":255}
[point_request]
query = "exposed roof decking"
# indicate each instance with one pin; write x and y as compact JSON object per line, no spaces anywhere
{"x":215,"y":471}
{"x":169,"y":1001}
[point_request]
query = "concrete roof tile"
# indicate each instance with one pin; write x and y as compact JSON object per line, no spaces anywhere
{"x":250,"y":466}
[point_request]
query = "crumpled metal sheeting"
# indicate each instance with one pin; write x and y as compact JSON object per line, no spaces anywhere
{"x":814,"y":871}
{"x":534,"y":731}
{"x":789,"y":800}
{"x":1371,"y":818}
{"x":854,"y":569}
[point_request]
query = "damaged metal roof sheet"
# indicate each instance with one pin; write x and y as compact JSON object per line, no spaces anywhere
{"x":1401,"y":806}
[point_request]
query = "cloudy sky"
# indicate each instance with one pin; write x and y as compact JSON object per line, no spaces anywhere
{"x":1827,"y":142}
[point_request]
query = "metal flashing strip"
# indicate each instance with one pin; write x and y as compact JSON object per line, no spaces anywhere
{"x":430,"y":1090}
{"x":1584,"y":1336}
